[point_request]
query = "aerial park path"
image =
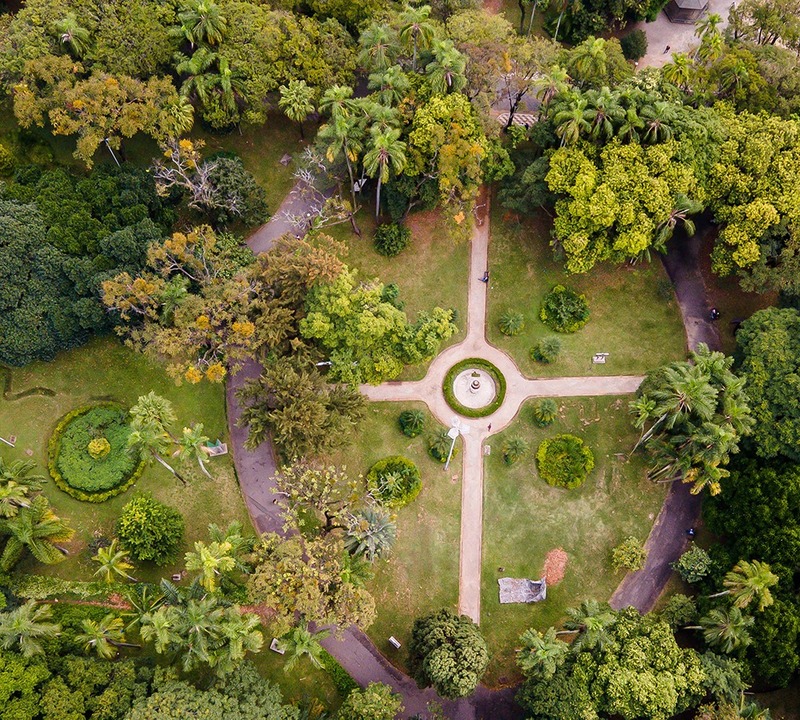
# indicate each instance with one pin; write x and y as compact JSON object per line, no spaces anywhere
{"x":255,"y":469}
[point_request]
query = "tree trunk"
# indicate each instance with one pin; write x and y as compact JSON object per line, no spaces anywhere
{"x":302,"y":132}
{"x":521,"y":4}
{"x":108,"y":145}
{"x":533,"y":12}
{"x":356,"y":229}
{"x":719,"y":594}
{"x":378,"y":200}
{"x":168,"y":467}
{"x":558,"y":25}
{"x":203,"y":467}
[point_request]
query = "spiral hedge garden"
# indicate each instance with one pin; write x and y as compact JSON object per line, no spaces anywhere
{"x":88,"y":454}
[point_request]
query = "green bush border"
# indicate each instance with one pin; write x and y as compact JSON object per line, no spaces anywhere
{"x":54,"y":445}
{"x":497,"y":376}
{"x":342,"y":680}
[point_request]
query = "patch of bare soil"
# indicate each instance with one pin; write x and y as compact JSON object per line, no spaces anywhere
{"x":493,"y":6}
{"x":555,"y":565}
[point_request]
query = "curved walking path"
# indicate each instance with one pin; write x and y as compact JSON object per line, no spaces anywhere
{"x":255,"y":469}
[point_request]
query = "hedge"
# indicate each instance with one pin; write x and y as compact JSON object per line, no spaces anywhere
{"x":406,"y":490}
{"x":342,"y":680}
{"x":45,"y":587}
{"x":564,"y":461}
{"x":480,"y":364}
{"x":54,"y":447}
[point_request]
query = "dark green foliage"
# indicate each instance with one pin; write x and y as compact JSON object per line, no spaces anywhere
{"x":512,"y":323}
{"x":447,"y":652}
{"x":412,"y":422}
{"x":150,"y":530}
{"x":480,"y":364}
{"x":392,"y":239}
{"x":563,"y":310}
{"x":56,"y":250}
{"x":679,"y":611}
{"x":394,"y":481}
{"x":546,"y":350}
{"x":514,"y":449}
{"x":634,"y":45}
{"x":773,"y":654}
{"x":341,"y":679}
{"x":72,"y":462}
{"x":564,"y":461}
{"x":439,"y":444}
{"x":545,"y":412}
{"x":231,"y":180}
{"x":723,"y":676}
{"x":374,"y":702}
{"x":693,"y":565}
{"x":768,"y":355}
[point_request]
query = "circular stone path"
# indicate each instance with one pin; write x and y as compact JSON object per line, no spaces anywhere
{"x":474,"y":388}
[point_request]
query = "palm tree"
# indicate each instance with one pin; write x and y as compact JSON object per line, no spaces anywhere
{"x":371,"y":532}
{"x":144,"y":600}
{"x":416,"y":30}
{"x":228,"y":84}
{"x":707,"y":25}
{"x":342,"y":138}
{"x":196,"y":69}
{"x":152,"y":441}
{"x":103,"y":637}
{"x":337,"y":101}
{"x":26,"y":626}
{"x":386,"y":153}
{"x":392,"y":85}
{"x":657,"y":118}
{"x":682,"y":209}
{"x":379,"y":47}
{"x":297,"y":102}
{"x":725,"y":629}
{"x":213,"y":560}
{"x":446,"y":72}
{"x":589,"y":60}
{"x":71,"y":34}
{"x":192,"y":444}
{"x":605,"y":113}
{"x":679,"y":71}
{"x":550,"y":85}
{"x":17,"y":483}
{"x":630,"y":126}
{"x":711,"y":47}
{"x":591,"y":621}
{"x":541,"y":655}
{"x":35,"y":528}
{"x":571,"y":119}
{"x":300,"y":642}
{"x":113,"y":561}
{"x":202,"y":22}
{"x":177,"y":119}
{"x":152,"y":408}
{"x":514,"y":449}
{"x":748,"y":581}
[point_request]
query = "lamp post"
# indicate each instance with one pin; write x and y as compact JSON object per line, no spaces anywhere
{"x":457,"y":428}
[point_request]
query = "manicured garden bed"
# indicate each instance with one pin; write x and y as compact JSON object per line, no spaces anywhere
{"x":480,"y":364}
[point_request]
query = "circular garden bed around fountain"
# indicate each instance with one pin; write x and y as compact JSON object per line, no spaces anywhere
{"x":476,"y":399}
{"x":88,"y":454}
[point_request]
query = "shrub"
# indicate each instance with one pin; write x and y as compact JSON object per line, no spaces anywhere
{"x":439,"y":444}
{"x":546,"y":351}
{"x":394,"y":481}
{"x":150,"y":530}
{"x":514,"y":449}
{"x":512,"y":323}
{"x":99,"y":447}
{"x":6,"y":161}
{"x":680,"y":610}
{"x":545,"y":412}
{"x":392,"y":239}
{"x":564,"y":461}
{"x":486,"y":366}
{"x":412,"y":422}
{"x":341,"y":679}
{"x":634,"y":45}
{"x":564,"y":310}
{"x":693,"y":565}
{"x":629,"y":555}
{"x":74,"y":468}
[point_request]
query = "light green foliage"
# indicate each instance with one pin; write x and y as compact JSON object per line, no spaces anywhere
{"x":692,"y":416}
{"x":449,"y":653}
{"x":598,"y":62}
{"x":610,"y":204}
{"x":564,"y":311}
{"x":769,"y":358}
{"x":26,"y":627}
{"x":35,"y":529}
{"x":369,"y":339}
{"x":629,"y":555}
{"x":564,"y":461}
{"x":541,"y":654}
{"x":639,"y":672}
{"x":693,"y":565}
{"x":394,"y":481}
{"x":150,"y":530}
{"x":512,"y":323}
{"x":375,"y":702}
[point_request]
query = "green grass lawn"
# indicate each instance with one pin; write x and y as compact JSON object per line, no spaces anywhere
{"x":421,"y":575}
{"x":524,"y":518}
{"x":630,"y":317}
{"x":305,"y":684}
{"x":431,"y":271}
{"x":105,"y":369}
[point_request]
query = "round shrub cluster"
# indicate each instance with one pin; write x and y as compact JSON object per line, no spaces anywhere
{"x":512,"y":323}
{"x":545,"y":412}
{"x":546,"y":350}
{"x":474,"y":363}
{"x":439,"y":444}
{"x":88,"y":454}
{"x":150,"y":530}
{"x":392,"y":239}
{"x":564,"y":461}
{"x":564,"y":310}
{"x":394,"y":481}
{"x":412,"y":422}
{"x":629,"y":555}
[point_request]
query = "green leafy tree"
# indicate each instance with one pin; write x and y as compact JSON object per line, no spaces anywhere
{"x":694,"y":565}
{"x":26,"y":627}
{"x":37,"y":530}
{"x":113,"y":562}
{"x":630,"y":554}
{"x":749,"y":581}
{"x":374,"y":702}
{"x":541,"y":654}
{"x":448,"y":652}
{"x":150,"y":529}
{"x":297,"y":102}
